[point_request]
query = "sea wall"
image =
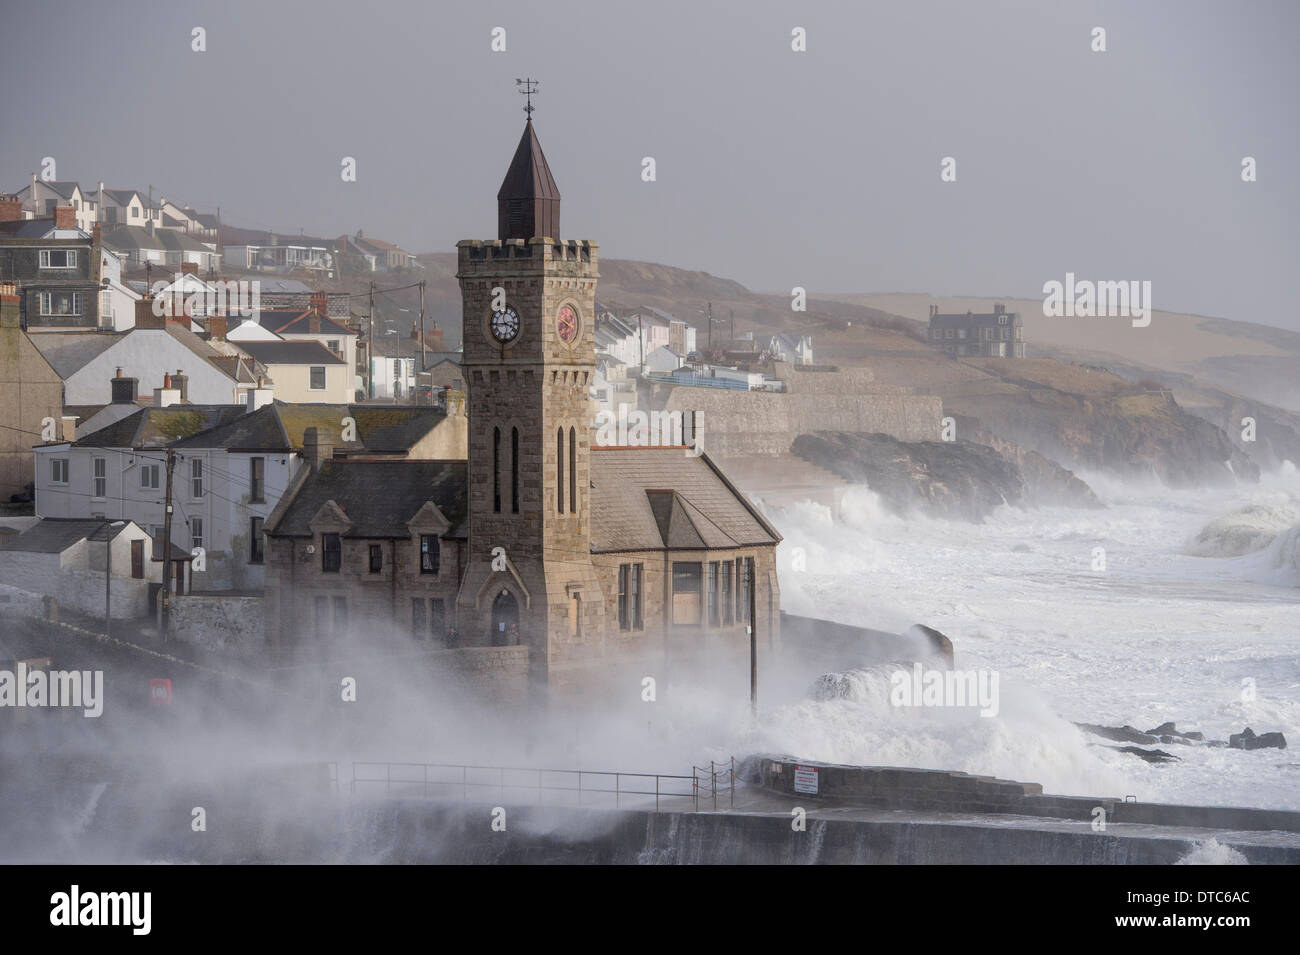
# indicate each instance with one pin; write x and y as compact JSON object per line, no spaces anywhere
{"x":756,"y":422}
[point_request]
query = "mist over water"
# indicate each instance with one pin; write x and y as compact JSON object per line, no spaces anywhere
{"x":1157,"y":636}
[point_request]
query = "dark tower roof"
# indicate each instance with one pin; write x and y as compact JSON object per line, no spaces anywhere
{"x":528,"y":202}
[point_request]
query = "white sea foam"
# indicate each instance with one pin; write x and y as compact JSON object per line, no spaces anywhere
{"x":1212,"y":852}
{"x":1156,"y":636}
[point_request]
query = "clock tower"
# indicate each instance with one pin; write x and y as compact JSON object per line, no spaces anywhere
{"x":528,"y":313}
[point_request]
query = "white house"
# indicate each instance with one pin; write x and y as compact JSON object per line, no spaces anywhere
{"x":66,"y":559}
{"x":90,"y":362}
{"x":232,"y":464}
{"x":791,"y":347}
{"x":303,"y":371}
{"x":120,"y":473}
{"x":663,"y":361}
{"x":41,"y":197}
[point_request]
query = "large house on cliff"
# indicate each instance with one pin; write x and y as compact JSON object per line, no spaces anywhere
{"x":585,"y":555}
{"x":996,"y":334}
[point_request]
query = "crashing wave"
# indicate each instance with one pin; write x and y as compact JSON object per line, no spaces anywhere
{"x":1244,"y":531}
{"x":1278,"y":563}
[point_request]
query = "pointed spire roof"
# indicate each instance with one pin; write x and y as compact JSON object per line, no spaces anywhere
{"x":528,"y":202}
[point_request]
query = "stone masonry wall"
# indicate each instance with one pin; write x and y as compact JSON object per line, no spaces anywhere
{"x":754,"y":422}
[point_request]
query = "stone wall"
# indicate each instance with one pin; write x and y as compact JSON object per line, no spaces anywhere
{"x":754,"y":422}
{"x":233,"y":625}
{"x":79,"y":590}
{"x":303,"y":606}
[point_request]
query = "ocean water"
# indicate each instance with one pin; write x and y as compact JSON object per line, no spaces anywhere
{"x":1150,"y":635}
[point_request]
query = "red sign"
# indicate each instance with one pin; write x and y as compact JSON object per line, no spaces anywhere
{"x":160,"y":692}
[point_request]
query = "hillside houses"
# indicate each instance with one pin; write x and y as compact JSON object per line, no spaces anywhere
{"x":232,"y":465}
{"x":66,"y":279}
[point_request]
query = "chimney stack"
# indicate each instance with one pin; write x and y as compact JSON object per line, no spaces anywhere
{"x":144,"y":316}
{"x":11,"y":209}
{"x":217,"y":325}
{"x":181,"y":382}
{"x":167,"y":395}
{"x":189,"y":268}
{"x":317,"y":447}
{"x":434,"y":342}
{"x":319,"y":305}
{"x":124,"y":389}
{"x":261,"y":396}
{"x":65,"y":217}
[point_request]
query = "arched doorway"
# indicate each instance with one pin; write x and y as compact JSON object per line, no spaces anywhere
{"x":505,"y":620}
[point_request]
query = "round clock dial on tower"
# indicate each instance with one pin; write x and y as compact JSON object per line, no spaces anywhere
{"x":504,"y":324}
{"x":566,"y":324}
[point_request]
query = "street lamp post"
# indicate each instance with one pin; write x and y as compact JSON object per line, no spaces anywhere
{"x":108,"y":574}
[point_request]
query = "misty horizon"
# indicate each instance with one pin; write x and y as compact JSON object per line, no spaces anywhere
{"x":833,"y":154}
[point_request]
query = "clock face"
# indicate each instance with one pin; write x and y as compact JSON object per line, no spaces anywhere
{"x":505,"y":324}
{"x":566,"y":324}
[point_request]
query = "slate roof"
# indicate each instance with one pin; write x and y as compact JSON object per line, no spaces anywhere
{"x":981,"y":319}
{"x":379,"y":497}
{"x":174,"y":241}
{"x":291,"y":353}
{"x":301,"y":325}
{"x":280,"y":427}
{"x":128,"y":237}
{"x":283,"y":285}
{"x":34,"y":229}
{"x":54,"y":535}
{"x":67,"y":352}
{"x":159,"y":427}
{"x":123,"y":196}
{"x":64,"y":187}
{"x":529,"y":175}
{"x":661,"y":498}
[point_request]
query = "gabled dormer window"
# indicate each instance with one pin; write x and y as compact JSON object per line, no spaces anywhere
{"x":331,"y":553}
{"x":430,"y":553}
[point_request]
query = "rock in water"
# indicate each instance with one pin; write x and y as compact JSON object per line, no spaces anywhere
{"x":947,"y":479}
{"x":1247,"y":739}
{"x":1121,"y":734}
{"x":1150,"y":755}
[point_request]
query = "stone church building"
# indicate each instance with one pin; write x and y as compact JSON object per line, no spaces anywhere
{"x":585,"y":555}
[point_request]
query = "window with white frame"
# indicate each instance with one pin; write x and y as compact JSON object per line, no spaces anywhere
{"x":58,"y":470}
{"x":196,"y":479}
{"x":60,"y":303}
{"x":149,"y":476}
{"x":99,"y":471}
{"x":58,"y":258}
{"x":196,"y":532}
{"x":317,"y":378}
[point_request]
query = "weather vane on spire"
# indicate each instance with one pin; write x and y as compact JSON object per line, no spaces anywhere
{"x":529,"y":87}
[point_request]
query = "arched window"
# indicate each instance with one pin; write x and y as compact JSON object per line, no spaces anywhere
{"x":559,"y":470}
{"x":573,"y":472}
{"x":496,"y":469}
{"x":514,"y":470}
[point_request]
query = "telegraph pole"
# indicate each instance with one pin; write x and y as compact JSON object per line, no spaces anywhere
{"x":424,"y":366}
{"x":370,"y":372}
{"x":753,"y":642}
{"x":167,"y":550}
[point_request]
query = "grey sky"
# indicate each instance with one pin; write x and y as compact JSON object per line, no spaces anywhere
{"x":775,"y":168}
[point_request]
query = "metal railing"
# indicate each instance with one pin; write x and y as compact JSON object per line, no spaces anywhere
{"x":717,"y":778}
{"x":579,"y":787}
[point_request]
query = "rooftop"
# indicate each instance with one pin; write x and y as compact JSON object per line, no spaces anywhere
{"x":379,"y":497}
